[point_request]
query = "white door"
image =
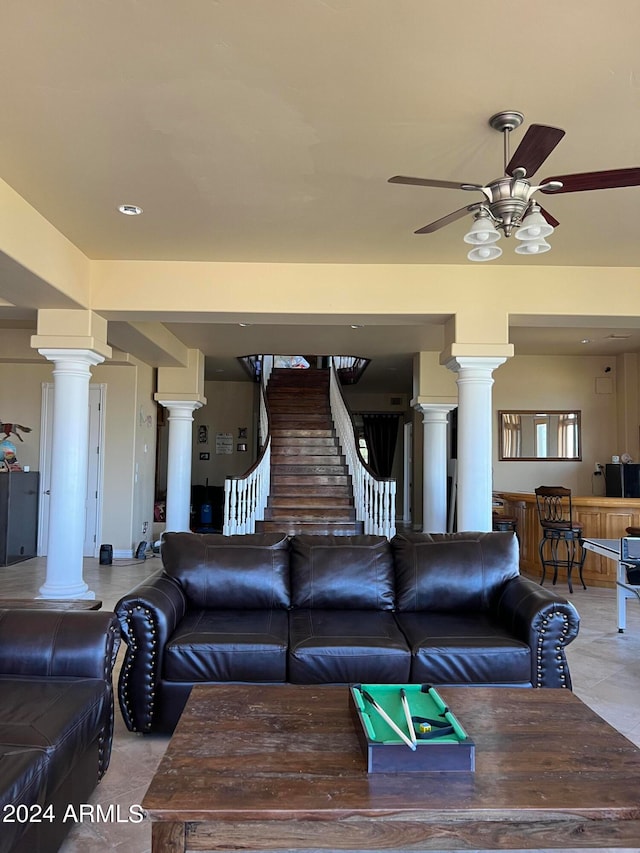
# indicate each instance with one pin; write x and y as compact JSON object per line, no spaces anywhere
{"x":93,"y":503}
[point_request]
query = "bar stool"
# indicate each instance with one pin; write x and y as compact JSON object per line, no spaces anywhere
{"x":558,"y":529}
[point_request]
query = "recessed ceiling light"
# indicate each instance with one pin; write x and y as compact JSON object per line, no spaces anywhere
{"x":585,"y":341}
{"x":244,"y":325}
{"x":356,"y":326}
{"x":130,"y":209}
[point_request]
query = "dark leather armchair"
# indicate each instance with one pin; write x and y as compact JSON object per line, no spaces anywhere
{"x":56,"y":717}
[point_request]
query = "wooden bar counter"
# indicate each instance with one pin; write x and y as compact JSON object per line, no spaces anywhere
{"x":601,"y":518}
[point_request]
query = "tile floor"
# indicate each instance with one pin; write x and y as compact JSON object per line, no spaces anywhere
{"x":605,"y":668}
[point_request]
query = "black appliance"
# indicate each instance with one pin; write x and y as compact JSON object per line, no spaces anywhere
{"x":622,"y":480}
{"x":19,"y":492}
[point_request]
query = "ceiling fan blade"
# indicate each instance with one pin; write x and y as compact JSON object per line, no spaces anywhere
{"x":426,"y":182}
{"x":607,"y":180}
{"x":445,"y":220}
{"x":536,"y":145}
{"x":553,"y":222}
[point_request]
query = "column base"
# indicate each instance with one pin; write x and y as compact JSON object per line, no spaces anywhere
{"x":63,"y":592}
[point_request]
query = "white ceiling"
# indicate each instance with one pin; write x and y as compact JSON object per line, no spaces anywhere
{"x":266,"y":131}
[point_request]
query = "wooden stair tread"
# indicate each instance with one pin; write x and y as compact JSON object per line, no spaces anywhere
{"x":320,"y":490}
{"x":313,"y":470}
{"x":293,"y":528}
{"x":305,"y":514}
{"x":310,"y":501}
{"x":305,"y":432}
{"x":300,"y":480}
{"x":305,"y":450}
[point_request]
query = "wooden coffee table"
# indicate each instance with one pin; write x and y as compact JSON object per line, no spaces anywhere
{"x":279,"y":767}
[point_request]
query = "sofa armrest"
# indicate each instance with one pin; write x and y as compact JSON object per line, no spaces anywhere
{"x":546,"y":621}
{"x":148,"y":616}
{"x":50,"y":643}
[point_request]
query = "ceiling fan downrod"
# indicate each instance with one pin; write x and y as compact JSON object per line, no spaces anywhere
{"x":504,"y":122}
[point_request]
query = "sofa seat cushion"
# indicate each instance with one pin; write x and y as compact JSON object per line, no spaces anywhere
{"x":61,"y":717}
{"x":463,"y":648}
{"x":24,"y":777}
{"x":228,"y":645}
{"x":339,"y":647}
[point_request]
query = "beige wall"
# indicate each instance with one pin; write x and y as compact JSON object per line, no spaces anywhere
{"x":230,"y":405}
{"x":550,"y":382}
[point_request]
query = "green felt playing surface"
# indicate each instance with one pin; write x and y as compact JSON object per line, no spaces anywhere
{"x":423,"y":703}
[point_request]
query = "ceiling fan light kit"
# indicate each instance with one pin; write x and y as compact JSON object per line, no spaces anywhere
{"x":485,"y":253}
{"x":483,"y":229}
{"x":508,"y":202}
{"x":534,"y":225}
{"x":533,"y":247}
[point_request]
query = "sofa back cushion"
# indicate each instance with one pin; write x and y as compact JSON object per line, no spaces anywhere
{"x":229,"y":572}
{"x":452,"y":571}
{"x":342,"y":573}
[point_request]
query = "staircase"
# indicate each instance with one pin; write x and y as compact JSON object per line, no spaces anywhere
{"x":311,"y":489}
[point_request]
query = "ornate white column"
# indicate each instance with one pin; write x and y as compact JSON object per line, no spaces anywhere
{"x":434,"y":466}
{"x":69,"y":466}
{"x":179,"y":462}
{"x":474,"y":493}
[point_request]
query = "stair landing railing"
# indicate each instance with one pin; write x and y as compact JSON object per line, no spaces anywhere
{"x":245,"y":497}
{"x":374,"y":497}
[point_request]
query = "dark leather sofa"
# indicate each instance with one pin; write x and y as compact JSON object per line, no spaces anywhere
{"x":442,"y":608}
{"x":56,"y":720}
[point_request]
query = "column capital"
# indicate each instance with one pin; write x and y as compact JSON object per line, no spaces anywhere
{"x":64,"y":355}
{"x":188,"y":404}
{"x":433,"y":411}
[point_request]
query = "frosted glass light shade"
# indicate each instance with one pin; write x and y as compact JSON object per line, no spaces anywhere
{"x":482,"y":231}
{"x":534,"y":226}
{"x":484,"y":253}
{"x":532,"y":247}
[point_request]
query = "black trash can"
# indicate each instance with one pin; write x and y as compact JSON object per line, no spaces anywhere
{"x":106,"y":555}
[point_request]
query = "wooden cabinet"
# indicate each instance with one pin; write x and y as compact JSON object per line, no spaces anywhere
{"x":601,"y":518}
{"x":18,"y":516}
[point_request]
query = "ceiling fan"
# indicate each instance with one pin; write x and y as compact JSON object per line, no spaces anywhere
{"x":508,"y":201}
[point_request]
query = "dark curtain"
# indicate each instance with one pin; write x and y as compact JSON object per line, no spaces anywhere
{"x":381,"y":434}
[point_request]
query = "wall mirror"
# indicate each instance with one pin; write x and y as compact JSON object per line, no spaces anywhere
{"x":532,"y":436}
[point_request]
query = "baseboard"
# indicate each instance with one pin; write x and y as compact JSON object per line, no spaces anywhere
{"x":123,"y":554}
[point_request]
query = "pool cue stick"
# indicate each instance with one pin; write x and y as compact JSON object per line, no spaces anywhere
{"x":388,"y":719}
{"x":407,"y":714}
